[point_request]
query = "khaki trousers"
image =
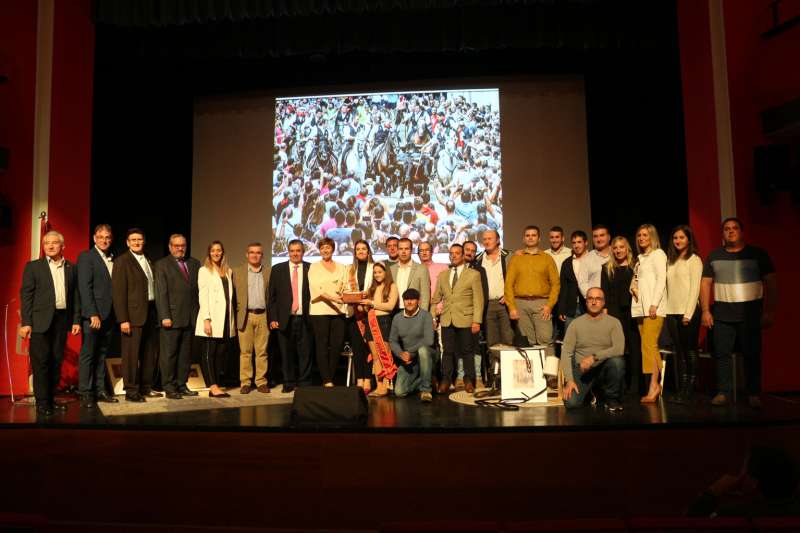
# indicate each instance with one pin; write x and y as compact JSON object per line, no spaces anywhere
{"x":650,"y":330}
{"x":253,"y":336}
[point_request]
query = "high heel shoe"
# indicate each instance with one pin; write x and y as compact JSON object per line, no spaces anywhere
{"x":382,"y":389}
{"x":223,"y":395}
{"x":652,"y":398}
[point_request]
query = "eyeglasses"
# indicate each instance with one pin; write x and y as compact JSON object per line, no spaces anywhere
{"x":595,"y":299}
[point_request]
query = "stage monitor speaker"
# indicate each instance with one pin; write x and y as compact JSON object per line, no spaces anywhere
{"x":329,"y":407}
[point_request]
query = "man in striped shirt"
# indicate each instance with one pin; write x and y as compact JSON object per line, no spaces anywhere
{"x":740,"y":275}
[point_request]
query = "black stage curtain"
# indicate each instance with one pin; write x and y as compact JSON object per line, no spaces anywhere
{"x":263,"y":28}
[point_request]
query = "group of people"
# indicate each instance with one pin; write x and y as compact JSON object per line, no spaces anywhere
{"x":412,"y":326}
{"x":425,"y":166}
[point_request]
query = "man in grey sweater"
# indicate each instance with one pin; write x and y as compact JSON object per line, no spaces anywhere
{"x":411,"y":339}
{"x":592,"y":355}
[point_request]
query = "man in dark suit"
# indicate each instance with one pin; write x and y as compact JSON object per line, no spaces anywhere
{"x":50,"y":308}
{"x":571,"y":303}
{"x":470,"y":255}
{"x":177,"y":306}
{"x":289,"y":297}
{"x":134,"y":293}
{"x":97,"y":320}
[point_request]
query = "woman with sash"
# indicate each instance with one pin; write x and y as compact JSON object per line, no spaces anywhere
{"x":379,"y":304}
{"x":359,"y":278}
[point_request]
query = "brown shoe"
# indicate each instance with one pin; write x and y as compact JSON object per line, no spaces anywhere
{"x":263,"y":389}
{"x":469,"y":387}
{"x":719,"y":400}
{"x":246,"y":389}
{"x":444,"y":387}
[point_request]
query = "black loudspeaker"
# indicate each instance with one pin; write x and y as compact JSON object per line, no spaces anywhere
{"x":329,"y":407}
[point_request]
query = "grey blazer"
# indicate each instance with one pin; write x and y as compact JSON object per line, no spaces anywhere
{"x":418,"y":279}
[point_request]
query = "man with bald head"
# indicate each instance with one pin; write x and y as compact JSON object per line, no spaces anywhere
{"x":493,"y":259}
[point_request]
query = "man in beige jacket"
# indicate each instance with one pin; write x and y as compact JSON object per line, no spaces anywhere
{"x":460,"y":289}
{"x":251,"y":284}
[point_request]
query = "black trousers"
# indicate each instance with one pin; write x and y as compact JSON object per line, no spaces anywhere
{"x":458,"y":344}
{"x":360,"y":348}
{"x":684,"y":340}
{"x":92,"y":360}
{"x":175,"y":357}
{"x":295,"y":345}
{"x":47,"y":353}
{"x":213,"y":357}
{"x":140,"y":355}
{"x":329,"y":337}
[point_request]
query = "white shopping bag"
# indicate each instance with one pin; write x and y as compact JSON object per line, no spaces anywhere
{"x":522,"y":375}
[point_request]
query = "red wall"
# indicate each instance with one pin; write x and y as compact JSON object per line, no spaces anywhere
{"x":18,"y":62}
{"x":761,"y":73}
{"x":70,"y":148}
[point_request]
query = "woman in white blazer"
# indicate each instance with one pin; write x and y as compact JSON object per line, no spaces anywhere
{"x":215,"y":321}
{"x":684,"y":272}
{"x":649,"y":304}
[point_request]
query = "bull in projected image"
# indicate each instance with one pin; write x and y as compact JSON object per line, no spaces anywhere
{"x":422,"y":165}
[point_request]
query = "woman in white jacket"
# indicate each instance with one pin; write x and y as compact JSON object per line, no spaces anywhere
{"x":683,"y":316}
{"x":648,"y":289}
{"x":215,"y":321}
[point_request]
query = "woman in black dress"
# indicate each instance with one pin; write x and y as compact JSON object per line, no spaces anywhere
{"x":616,"y":283}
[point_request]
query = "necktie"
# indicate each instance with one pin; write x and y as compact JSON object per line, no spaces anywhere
{"x":455,"y":278}
{"x":184,"y":270}
{"x":295,"y":295}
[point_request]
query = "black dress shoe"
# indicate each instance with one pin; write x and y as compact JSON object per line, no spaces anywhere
{"x":287,"y":388}
{"x":87,"y":402}
{"x":134,"y":397}
{"x":44,"y":410}
{"x":59,"y":406}
{"x":152,"y":394}
{"x":186,"y":391}
{"x":105,"y":397}
{"x":174,"y":396}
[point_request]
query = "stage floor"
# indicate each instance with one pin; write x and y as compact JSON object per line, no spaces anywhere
{"x":442,"y":415}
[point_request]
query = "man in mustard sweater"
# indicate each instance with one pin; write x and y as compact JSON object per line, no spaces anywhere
{"x":531,"y":291}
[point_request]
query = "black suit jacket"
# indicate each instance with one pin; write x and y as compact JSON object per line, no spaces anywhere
{"x":38,"y":295}
{"x":177,"y":298}
{"x":94,"y":285}
{"x":130,"y":290}
{"x":570,"y":292}
{"x":484,"y":285}
{"x":280,"y":294}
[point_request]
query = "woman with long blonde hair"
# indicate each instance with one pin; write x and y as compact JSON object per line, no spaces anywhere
{"x":616,"y":282}
{"x":648,"y":290}
{"x":215,"y":319}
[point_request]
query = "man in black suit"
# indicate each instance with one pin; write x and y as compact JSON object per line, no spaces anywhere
{"x":289,"y":297}
{"x":571,"y":303}
{"x":134,"y":293}
{"x":177,"y":305}
{"x":49,"y":306}
{"x":97,"y":320}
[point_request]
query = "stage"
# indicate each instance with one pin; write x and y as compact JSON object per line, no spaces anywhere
{"x":245,"y":467}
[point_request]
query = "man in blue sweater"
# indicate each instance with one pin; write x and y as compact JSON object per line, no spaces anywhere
{"x":411,"y":339}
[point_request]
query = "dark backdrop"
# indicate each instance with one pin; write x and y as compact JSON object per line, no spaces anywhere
{"x":154,"y":58}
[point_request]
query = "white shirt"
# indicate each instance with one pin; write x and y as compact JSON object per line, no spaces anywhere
{"x":650,"y":276}
{"x":494,"y":275}
{"x":683,"y":286}
{"x":299,"y":267}
{"x":560,"y":256}
{"x":591,"y":270}
{"x":403,"y":273}
{"x":57,"y":271}
{"x":107,"y":259}
{"x":145,"y":264}
{"x":459,"y":269}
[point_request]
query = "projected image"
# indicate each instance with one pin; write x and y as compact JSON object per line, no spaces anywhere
{"x":422,"y":165}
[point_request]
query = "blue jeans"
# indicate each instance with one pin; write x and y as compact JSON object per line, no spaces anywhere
{"x":460,"y":373}
{"x":608,"y":376}
{"x":415,"y":376}
{"x":725,"y":335}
